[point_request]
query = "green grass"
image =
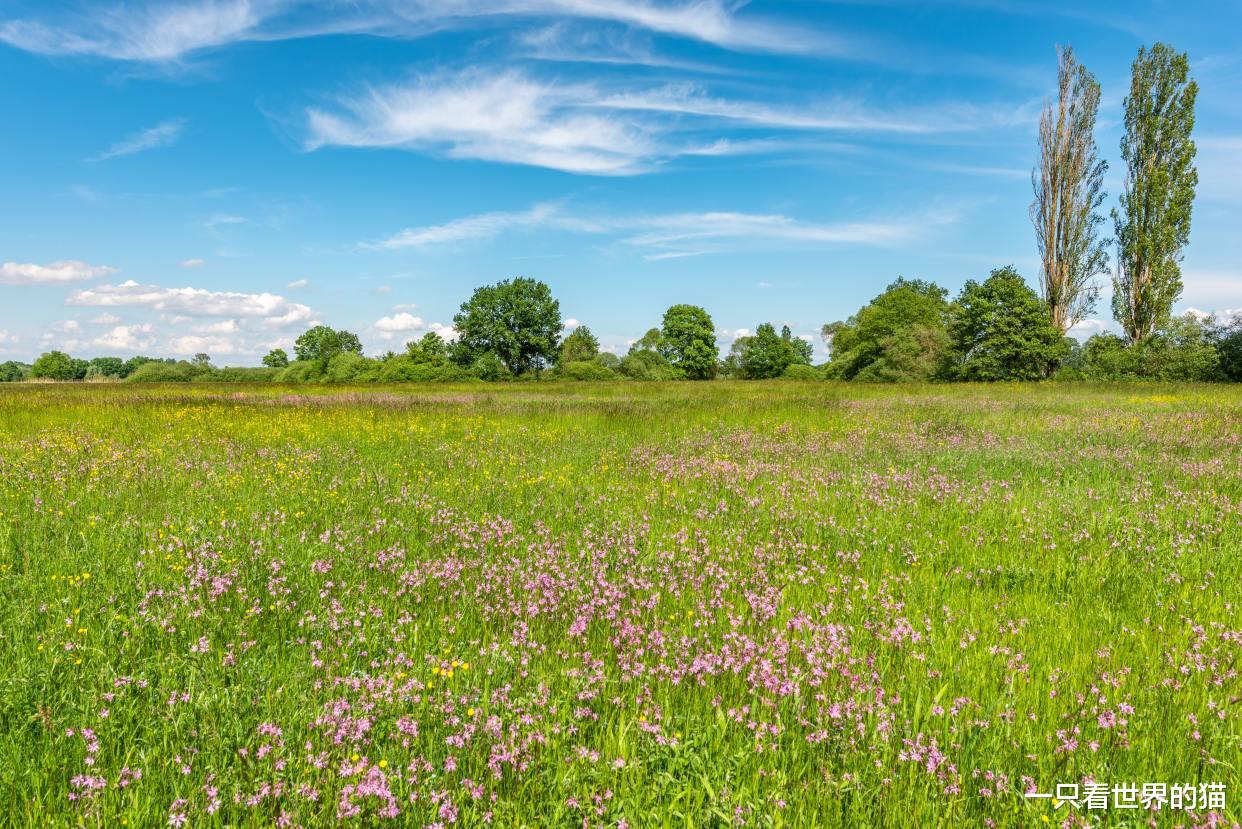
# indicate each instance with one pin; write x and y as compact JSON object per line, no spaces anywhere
{"x":760,"y":604}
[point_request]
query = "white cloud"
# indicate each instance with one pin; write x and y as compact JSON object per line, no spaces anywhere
{"x":399,"y":322}
{"x":570,"y":324}
{"x":193,"y":263}
{"x":164,"y":134}
{"x":105,"y":319}
{"x":126,"y":337}
{"x":271,"y":309}
{"x":221,"y":219}
{"x":675,"y":235}
{"x":194,"y":344}
{"x":581,"y":127}
{"x":403,"y":324}
{"x":298,"y":283}
{"x":68,"y":270}
{"x":6,"y":338}
{"x":160,"y":32}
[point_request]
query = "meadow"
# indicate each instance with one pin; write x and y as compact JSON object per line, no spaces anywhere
{"x":765,"y":604}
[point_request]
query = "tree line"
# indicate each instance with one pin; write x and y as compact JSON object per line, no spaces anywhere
{"x":995,"y":329}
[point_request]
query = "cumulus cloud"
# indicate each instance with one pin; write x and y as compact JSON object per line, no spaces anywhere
{"x":399,"y":322}
{"x":161,"y":135}
{"x":272,"y":309}
{"x":67,"y":270}
{"x":570,"y":324}
{"x":126,"y":337}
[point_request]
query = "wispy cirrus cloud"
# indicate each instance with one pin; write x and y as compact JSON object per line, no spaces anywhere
{"x":67,"y":270}
{"x":582,"y":127}
{"x":671,"y":235}
{"x":164,"y":134}
{"x":159,"y":32}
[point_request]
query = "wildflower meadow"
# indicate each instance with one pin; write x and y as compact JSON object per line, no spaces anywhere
{"x":771,"y":604}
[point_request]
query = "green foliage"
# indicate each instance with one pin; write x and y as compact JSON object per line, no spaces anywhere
{"x":1184,"y":348}
{"x":54,"y":365}
{"x":1069,"y":189}
{"x":13,"y":372}
{"x":241,"y":374}
{"x":160,"y":371}
{"x":688,"y":341}
{"x":489,"y":366}
{"x":1229,"y":347}
{"x":585,"y":370}
{"x":276,"y":358}
{"x":1001,"y":330}
{"x":409,"y":368}
{"x":302,"y":371}
{"x":763,"y":355}
{"x":900,"y":335}
{"x":647,"y":342}
{"x":1152,"y":223}
{"x":346,"y":367}
{"x":323,"y":343}
{"x":645,"y":364}
{"x":430,"y":350}
{"x":106,"y":367}
{"x":802,"y":371}
{"x":133,"y":362}
{"x":580,"y":345}
{"x":516,"y":320}
{"x":608,"y":360}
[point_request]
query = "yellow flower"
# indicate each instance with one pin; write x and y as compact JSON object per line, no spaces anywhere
{"x":383,"y":764}
{"x":469,"y":712}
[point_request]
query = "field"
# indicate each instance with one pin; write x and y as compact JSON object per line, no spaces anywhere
{"x":762,"y":604}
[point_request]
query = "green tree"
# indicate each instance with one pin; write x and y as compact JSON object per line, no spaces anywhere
{"x":1001,"y":330}
{"x":580,"y":345}
{"x":688,"y":341}
{"x":801,"y":349}
{"x":54,"y":365}
{"x":516,"y":320}
{"x":764,"y":355}
{"x":106,"y":367}
{"x":431,"y":350}
{"x":1152,"y":223}
{"x":1069,"y":189}
{"x":1229,"y":346}
{"x":647,"y":342}
{"x":12,"y":372}
{"x":276,"y":358}
{"x":132,"y":364}
{"x":900,"y":335}
{"x":322,"y":343}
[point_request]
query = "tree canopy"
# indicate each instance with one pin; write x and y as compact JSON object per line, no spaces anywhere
{"x":516,"y":320}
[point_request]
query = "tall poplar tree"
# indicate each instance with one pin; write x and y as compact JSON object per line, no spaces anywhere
{"x":1152,"y":222}
{"x":1068,"y":184}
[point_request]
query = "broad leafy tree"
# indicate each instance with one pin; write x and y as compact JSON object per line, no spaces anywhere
{"x":899,"y":335}
{"x":1152,"y":223}
{"x":516,"y":320}
{"x":323,"y":343}
{"x":1069,"y":189}
{"x":579,"y":345}
{"x":1001,"y":330}
{"x":276,"y":358}
{"x":54,"y":365}
{"x":688,"y":341}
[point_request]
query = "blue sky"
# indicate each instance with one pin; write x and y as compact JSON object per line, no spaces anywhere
{"x":218,"y":175}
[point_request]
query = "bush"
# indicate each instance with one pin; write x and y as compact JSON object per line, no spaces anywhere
{"x":161,"y":372}
{"x":406,"y":369}
{"x":242,"y":374}
{"x":585,"y":370}
{"x":346,"y":366}
{"x":1184,"y":349}
{"x":648,"y":365}
{"x":799,"y":371}
{"x":301,"y":371}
